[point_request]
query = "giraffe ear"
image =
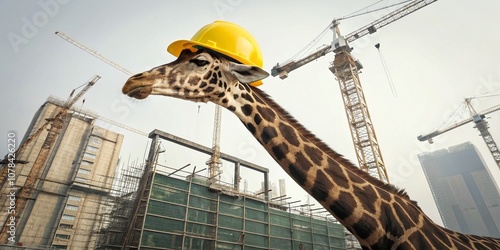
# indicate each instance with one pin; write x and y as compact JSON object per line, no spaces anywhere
{"x":247,"y":74}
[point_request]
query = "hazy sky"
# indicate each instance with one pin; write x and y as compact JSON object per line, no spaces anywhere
{"x":436,"y":57}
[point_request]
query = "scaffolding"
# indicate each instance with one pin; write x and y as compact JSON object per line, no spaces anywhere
{"x":179,"y":209}
{"x":184,"y":214}
{"x":116,"y":220}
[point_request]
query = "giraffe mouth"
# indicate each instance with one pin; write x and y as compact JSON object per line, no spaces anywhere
{"x":142,"y":92}
{"x":179,"y":94}
{"x":139,"y":92}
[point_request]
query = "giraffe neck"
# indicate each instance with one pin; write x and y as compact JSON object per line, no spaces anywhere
{"x":333,"y":181}
{"x":377,"y":214}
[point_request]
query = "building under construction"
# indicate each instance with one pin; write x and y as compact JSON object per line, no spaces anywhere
{"x":70,"y":185}
{"x":175,"y":209}
{"x":83,"y":200}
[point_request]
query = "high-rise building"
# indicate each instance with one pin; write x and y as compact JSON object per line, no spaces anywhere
{"x":465,"y":193}
{"x":65,"y":205}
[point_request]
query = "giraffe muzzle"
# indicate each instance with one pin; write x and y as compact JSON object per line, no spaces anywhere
{"x":135,"y":90}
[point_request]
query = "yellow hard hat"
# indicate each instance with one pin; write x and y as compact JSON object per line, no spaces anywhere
{"x":226,"y":38}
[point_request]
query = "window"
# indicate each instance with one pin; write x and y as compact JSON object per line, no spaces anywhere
{"x":82,"y":180}
{"x":92,"y":149}
{"x":89,"y":155}
{"x":74,"y":198}
{"x":95,"y":140}
{"x":68,"y":217}
{"x":65,"y":226}
{"x":59,"y":247}
{"x":86,"y":163}
{"x":83,"y":171}
{"x":63,"y":236}
{"x":71,"y":207}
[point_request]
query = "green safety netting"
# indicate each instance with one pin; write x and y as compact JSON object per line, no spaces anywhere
{"x":190,"y":215}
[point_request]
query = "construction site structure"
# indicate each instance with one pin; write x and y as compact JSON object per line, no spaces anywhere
{"x":66,"y":198}
{"x":346,"y":69}
{"x":57,"y":119}
{"x":176,"y":208}
{"x":479,"y":119}
{"x":24,"y":193}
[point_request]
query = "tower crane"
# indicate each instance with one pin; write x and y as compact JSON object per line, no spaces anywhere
{"x":214,"y":163}
{"x":346,"y":69}
{"x":23,"y":194}
{"x":480,"y":123}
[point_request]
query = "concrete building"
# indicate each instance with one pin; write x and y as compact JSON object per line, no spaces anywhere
{"x":65,"y":206}
{"x":465,"y":193}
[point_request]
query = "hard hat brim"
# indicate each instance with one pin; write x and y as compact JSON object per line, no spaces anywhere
{"x":178,"y":46}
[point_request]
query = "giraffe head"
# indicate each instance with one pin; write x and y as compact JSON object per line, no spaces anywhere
{"x":199,"y":76}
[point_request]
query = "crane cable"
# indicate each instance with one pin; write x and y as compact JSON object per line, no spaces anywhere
{"x":486,"y":94}
{"x":453,"y":118}
{"x":462,"y":111}
{"x":386,"y":69}
{"x":308,"y":47}
{"x":353,"y":14}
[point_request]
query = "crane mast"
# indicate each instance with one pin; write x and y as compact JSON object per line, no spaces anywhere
{"x":480,"y":123}
{"x":346,"y":69}
{"x":214,"y":163}
{"x":366,"y":145}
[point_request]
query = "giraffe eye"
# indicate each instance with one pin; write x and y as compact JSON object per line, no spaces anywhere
{"x":199,"y":62}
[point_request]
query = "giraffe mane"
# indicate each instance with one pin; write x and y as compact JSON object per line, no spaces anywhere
{"x":325,"y":148}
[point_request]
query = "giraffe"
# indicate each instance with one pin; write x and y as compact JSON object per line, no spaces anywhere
{"x":379,"y":215}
